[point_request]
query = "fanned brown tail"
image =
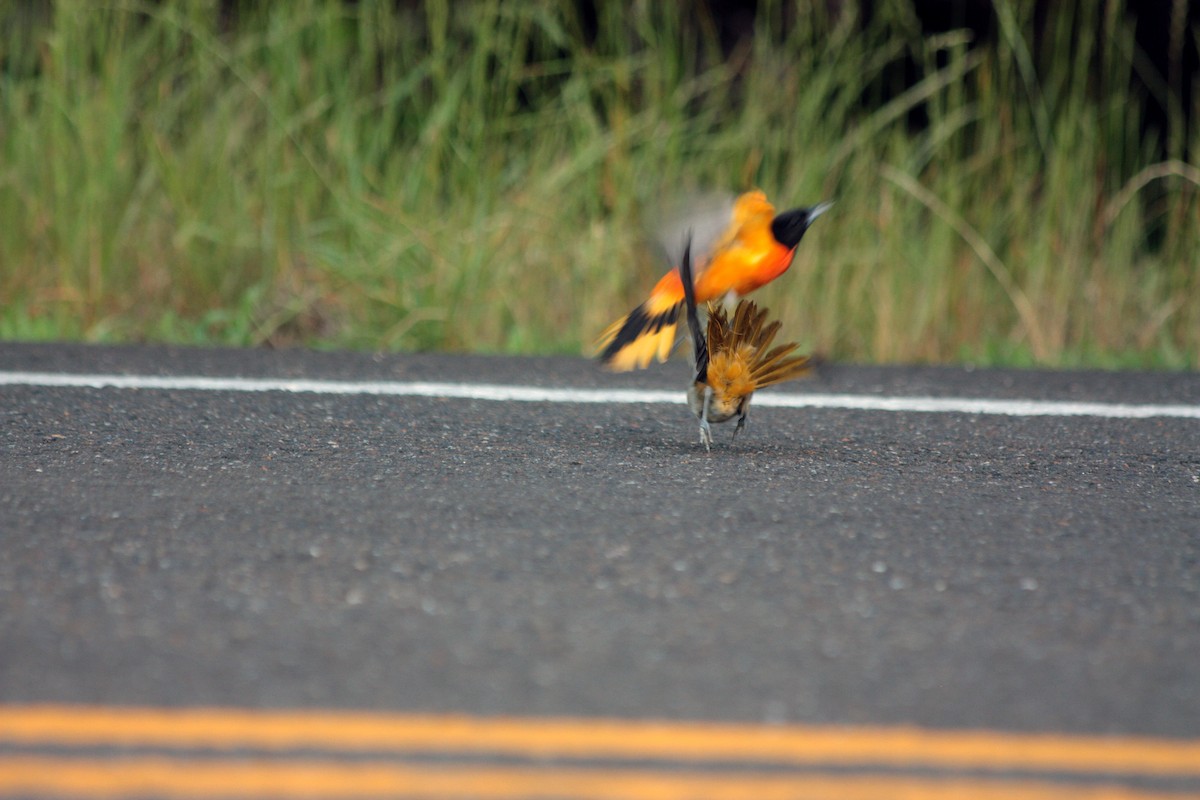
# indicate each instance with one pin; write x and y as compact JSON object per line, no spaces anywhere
{"x":746,"y":364}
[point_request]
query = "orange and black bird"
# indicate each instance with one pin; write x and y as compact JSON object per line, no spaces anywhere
{"x":733,"y":359}
{"x":755,"y":249}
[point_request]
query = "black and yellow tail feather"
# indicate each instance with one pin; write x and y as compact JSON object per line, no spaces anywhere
{"x":636,"y":339}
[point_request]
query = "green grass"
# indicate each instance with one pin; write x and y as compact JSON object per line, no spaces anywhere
{"x":478,"y":176}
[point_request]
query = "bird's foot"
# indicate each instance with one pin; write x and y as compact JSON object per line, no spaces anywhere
{"x":740,"y":424}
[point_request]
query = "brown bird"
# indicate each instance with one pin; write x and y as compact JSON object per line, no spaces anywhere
{"x":733,"y":359}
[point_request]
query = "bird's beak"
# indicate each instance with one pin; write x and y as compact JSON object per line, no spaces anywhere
{"x":818,"y":210}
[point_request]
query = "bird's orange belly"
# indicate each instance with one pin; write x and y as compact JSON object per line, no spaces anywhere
{"x":742,"y":277}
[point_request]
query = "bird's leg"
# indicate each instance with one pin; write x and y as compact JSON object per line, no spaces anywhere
{"x":705,"y":430}
{"x":742,"y":417}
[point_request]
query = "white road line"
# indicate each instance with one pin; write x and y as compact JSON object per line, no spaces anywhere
{"x":535,"y":394}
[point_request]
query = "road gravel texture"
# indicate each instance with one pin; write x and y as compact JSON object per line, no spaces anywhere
{"x":830,"y":566}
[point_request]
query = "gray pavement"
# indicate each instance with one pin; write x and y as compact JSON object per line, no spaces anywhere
{"x":304,"y":550}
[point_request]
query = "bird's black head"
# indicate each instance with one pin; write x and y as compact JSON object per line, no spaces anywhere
{"x":788,"y":228}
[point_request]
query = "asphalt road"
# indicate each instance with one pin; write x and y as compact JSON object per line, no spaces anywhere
{"x":251,"y":550}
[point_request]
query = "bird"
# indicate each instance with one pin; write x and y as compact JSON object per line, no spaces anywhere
{"x":733,"y":359}
{"x":755,"y":248}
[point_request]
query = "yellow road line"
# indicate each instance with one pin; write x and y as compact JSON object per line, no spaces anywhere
{"x":306,"y":779}
{"x":337,"y":731}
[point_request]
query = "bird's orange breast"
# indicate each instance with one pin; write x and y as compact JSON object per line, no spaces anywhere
{"x":754,"y":260}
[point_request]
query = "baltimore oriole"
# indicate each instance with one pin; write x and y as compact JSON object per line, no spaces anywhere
{"x":755,"y":249}
{"x":732,"y":359}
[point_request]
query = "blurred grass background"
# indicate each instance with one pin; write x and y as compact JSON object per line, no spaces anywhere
{"x":478,"y":175}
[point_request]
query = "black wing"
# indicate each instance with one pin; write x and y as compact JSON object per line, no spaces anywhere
{"x":699,"y":341}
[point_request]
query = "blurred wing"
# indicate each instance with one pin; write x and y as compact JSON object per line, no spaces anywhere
{"x":699,"y":222}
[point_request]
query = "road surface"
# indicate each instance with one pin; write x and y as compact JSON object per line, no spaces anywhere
{"x":1031,"y":573}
